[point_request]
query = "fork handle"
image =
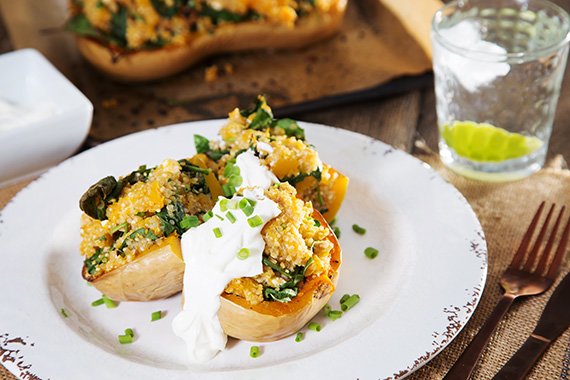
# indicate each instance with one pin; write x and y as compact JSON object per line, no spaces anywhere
{"x":464,"y":366}
{"x":522,"y":361}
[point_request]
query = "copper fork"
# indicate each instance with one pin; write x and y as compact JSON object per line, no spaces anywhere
{"x":529,"y":273}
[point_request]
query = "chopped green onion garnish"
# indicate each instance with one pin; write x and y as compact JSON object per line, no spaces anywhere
{"x":371,"y":252}
{"x":109,"y":302}
{"x":246,"y":207}
{"x":326,"y":309}
{"x":336,"y":231}
{"x":251,"y":202}
{"x":232,"y":204}
{"x":350,"y":302}
{"x":219,"y":217}
{"x":224,"y":204}
{"x":130,"y":332}
{"x":243,"y":253}
{"x":231,"y":217}
{"x":228,"y":190}
{"x":314,"y":326}
{"x":217,"y":232}
{"x":98,"y":302}
{"x":64,"y":313}
{"x":344,"y":298}
{"x":189,"y":221}
{"x":207,"y":216}
{"x":155,"y":316}
{"x":334,"y":314}
{"x":235,"y":181}
{"x":317,"y":223}
{"x":125,"y":339}
{"x":255,"y":221}
{"x":254,"y":351}
{"x":359,"y":230}
{"x":299,"y":337}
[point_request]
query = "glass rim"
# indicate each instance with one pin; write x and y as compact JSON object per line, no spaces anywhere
{"x":501,"y":57}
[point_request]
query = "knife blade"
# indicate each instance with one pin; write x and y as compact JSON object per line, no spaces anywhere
{"x":554,"y":320}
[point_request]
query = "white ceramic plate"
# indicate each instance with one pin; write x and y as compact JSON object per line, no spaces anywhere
{"x":415,"y":296}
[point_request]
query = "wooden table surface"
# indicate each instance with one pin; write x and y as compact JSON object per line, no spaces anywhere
{"x":402,"y":119}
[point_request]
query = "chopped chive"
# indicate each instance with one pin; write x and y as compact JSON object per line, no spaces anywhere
{"x":109,"y":302}
{"x":125,"y":339}
{"x":314,"y":326}
{"x":232,"y":204}
{"x":235,"y":181}
{"x":217,"y":232}
{"x":130,"y":332}
{"x":207,"y":216}
{"x":255,"y":221}
{"x":334,"y":314}
{"x":155,"y":316}
{"x":228,"y":190}
{"x":219,"y":217}
{"x":243,"y":253}
{"x":231,"y":217}
{"x":336,"y":231}
{"x":98,"y":302}
{"x":189,"y":221}
{"x":254,"y":351}
{"x":326,"y":309}
{"x":350,"y":302}
{"x":317,"y":223}
{"x":299,"y":337}
{"x":246,"y":207}
{"x":371,"y":252}
{"x":359,"y":230}
{"x":224,"y":204}
{"x":344,"y":298}
{"x":251,"y":202}
{"x":64,"y":313}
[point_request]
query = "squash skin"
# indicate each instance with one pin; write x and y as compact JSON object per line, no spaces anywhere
{"x":147,"y":65}
{"x":269,"y":321}
{"x":157,"y":273}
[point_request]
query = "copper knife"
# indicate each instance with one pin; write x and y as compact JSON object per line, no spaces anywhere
{"x":554,"y":320}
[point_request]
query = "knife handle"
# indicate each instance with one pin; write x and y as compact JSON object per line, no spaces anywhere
{"x":521,"y":362}
{"x":464,"y":366}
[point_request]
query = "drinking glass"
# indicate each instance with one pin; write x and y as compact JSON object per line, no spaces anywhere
{"x":498,"y":67}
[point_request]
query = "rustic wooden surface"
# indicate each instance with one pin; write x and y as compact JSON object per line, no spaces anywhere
{"x":400,"y":120}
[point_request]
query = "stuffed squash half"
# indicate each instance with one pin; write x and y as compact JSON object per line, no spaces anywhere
{"x":240,"y":227}
{"x":138,"y":40}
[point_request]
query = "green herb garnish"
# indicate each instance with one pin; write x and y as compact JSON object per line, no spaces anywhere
{"x":217,"y":232}
{"x":155,"y":316}
{"x":243,"y":253}
{"x":254,"y":351}
{"x":359,"y":230}
{"x":314,"y":326}
{"x":371,"y":252}
{"x":350,"y":302}
{"x":255,"y":221}
{"x":299,"y":337}
{"x":231,"y":217}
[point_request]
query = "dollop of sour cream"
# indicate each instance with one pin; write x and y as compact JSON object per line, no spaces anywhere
{"x":228,"y":245}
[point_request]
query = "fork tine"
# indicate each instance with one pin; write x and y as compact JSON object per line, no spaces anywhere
{"x":519,"y":255}
{"x":546,"y":253}
{"x":533,"y":254}
{"x":555,"y":265}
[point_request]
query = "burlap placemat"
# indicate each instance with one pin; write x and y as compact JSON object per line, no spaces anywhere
{"x":504,"y":211}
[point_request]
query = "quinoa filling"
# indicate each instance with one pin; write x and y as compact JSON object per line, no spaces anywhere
{"x":150,"y":24}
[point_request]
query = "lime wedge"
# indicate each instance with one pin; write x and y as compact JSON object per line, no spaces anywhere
{"x":486,"y":143}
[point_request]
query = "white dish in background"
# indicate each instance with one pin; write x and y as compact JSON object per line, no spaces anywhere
{"x":415,"y":296}
{"x":58,"y":115}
